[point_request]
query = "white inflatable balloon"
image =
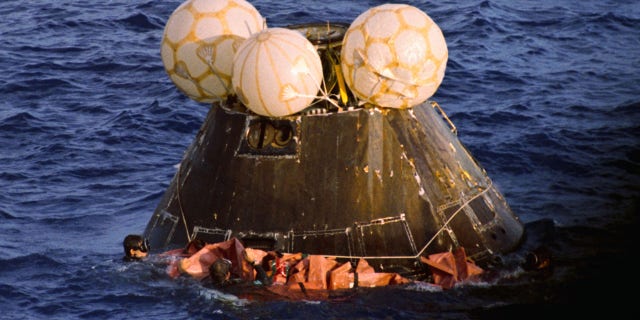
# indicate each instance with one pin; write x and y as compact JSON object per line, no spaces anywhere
{"x":394,"y":56}
{"x":199,"y":42}
{"x":277,"y":72}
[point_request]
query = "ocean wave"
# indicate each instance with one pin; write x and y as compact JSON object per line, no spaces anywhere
{"x":141,"y":22}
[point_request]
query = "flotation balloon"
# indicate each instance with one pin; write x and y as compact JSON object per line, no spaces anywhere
{"x":199,"y":42}
{"x":394,"y":56}
{"x":276,"y":72}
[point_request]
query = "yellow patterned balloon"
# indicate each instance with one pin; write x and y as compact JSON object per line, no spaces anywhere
{"x":199,"y":42}
{"x":277,"y":72}
{"x":394,"y":56}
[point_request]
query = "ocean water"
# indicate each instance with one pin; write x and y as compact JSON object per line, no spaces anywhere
{"x":545,"y":94}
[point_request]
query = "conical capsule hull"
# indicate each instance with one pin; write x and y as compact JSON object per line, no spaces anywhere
{"x":387,"y":185}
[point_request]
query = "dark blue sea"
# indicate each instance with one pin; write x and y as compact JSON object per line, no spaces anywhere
{"x":545,"y":94}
